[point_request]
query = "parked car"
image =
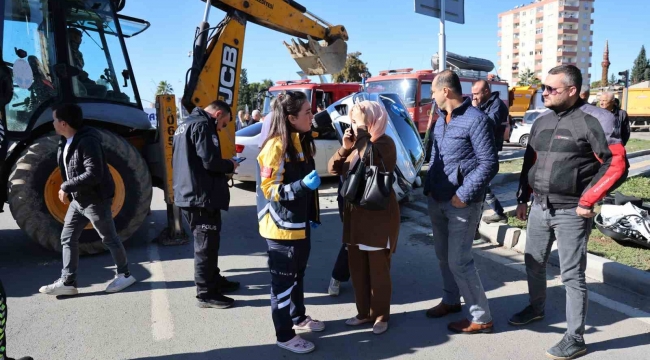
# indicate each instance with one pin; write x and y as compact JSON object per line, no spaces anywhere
{"x":521,"y":131}
{"x":410,"y":150}
{"x":247,"y":142}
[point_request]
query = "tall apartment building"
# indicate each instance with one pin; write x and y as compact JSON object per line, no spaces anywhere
{"x":544,"y":34}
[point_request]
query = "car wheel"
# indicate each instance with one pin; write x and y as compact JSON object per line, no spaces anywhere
{"x":523,"y":141}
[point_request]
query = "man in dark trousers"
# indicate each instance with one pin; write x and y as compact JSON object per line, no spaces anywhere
{"x":574,"y":169}
{"x":497,"y":111}
{"x":89,"y":189}
{"x":463,"y":160}
{"x":201,"y":191}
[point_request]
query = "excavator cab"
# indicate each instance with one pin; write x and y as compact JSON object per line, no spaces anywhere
{"x":67,"y":50}
{"x":71,"y":51}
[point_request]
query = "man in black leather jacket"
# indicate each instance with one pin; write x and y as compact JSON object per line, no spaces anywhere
{"x":201,"y":191}
{"x":89,"y":189}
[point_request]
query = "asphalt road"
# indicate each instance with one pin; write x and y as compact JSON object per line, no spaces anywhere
{"x":157,"y":318}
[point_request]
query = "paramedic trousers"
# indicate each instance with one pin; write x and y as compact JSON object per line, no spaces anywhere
{"x":287,"y":264}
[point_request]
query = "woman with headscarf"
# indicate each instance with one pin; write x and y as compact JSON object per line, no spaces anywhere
{"x":371,"y":235}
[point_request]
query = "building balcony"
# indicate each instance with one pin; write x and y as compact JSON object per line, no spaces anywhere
{"x":567,"y":42}
{"x":539,"y":46}
{"x":567,"y":54}
{"x":539,"y":57}
{"x":563,"y":20}
{"x":515,"y":41}
{"x":539,"y":36}
{"x":567,"y":31}
{"x":569,"y":8}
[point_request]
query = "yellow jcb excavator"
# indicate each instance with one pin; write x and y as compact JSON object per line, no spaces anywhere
{"x":75,"y":51}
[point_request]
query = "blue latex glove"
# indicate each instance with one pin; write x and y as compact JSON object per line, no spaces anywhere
{"x":314,"y":225}
{"x":312,"y":181}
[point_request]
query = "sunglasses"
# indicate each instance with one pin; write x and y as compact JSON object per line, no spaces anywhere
{"x":551,"y":90}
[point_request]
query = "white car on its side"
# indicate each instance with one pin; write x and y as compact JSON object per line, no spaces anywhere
{"x":247,"y":142}
{"x":521,"y":131}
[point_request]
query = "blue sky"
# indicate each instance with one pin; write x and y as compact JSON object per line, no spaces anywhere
{"x":388,"y":33}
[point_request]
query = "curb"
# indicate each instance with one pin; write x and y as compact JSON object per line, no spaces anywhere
{"x":598,"y":268}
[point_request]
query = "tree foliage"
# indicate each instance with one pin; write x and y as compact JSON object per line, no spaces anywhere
{"x":164,"y":88}
{"x":613,"y":80}
{"x":641,"y":64}
{"x":244,"y":92}
{"x":354,"y":68}
{"x":528,"y":78}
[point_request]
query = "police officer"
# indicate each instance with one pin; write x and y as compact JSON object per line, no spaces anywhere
{"x":201,"y":191}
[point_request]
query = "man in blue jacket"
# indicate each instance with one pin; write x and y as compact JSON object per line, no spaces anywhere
{"x":497,"y":111}
{"x":463,"y":160}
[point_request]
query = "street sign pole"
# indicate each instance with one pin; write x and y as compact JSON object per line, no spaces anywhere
{"x":445,"y":10}
{"x":442,"y":51}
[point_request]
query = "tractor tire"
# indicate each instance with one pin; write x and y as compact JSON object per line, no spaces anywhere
{"x":35,"y":180}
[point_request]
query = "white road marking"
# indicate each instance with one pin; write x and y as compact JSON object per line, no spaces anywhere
{"x":521,"y":267}
{"x":162,"y":323}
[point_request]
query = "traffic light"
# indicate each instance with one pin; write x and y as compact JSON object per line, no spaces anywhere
{"x":625,"y":78}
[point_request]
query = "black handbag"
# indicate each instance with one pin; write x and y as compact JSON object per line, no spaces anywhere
{"x":366,"y":185}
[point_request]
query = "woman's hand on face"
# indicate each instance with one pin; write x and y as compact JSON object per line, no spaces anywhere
{"x":348,"y":139}
{"x":358,"y":115}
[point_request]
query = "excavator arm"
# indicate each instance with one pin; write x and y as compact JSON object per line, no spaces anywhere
{"x":217,"y":51}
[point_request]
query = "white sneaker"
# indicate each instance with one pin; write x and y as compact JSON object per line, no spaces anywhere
{"x":310,"y":325}
{"x":58,"y":288}
{"x":120,"y":283}
{"x":334,"y":288}
{"x":298,"y":345}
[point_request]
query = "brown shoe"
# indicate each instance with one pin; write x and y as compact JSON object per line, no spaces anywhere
{"x":467,"y":327}
{"x":443,"y":309}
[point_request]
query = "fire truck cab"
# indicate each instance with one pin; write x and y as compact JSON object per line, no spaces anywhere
{"x":321,"y":95}
{"x":415,"y":89}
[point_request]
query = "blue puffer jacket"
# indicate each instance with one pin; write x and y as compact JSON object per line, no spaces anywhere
{"x":463,"y":156}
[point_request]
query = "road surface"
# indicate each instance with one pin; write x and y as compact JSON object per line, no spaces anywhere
{"x":157,"y":317}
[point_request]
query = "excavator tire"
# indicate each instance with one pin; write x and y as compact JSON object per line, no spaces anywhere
{"x":35,"y":180}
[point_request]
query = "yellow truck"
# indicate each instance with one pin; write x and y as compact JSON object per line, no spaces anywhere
{"x":637,"y":107}
{"x":524,"y":98}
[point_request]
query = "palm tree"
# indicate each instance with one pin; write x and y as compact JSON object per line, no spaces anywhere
{"x":164,"y":88}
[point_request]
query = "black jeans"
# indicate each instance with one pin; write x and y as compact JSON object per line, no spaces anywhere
{"x":76,"y":219}
{"x":287,"y":264}
{"x":206,"y":228}
{"x":341,"y":271}
{"x":3,"y":322}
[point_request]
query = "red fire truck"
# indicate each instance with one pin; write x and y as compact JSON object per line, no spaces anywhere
{"x":415,"y":89}
{"x":323,"y":94}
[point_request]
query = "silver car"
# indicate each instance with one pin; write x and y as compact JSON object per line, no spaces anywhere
{"x":410,"y":150}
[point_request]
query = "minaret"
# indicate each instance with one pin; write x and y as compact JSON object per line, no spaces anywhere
{"x":603,"y":80}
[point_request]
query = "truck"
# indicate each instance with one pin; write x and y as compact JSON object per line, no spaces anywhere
{"x":414,"y":88}
{"x":524,"y":98}
{"x":637,"y":106}
{"x":321,"y":95}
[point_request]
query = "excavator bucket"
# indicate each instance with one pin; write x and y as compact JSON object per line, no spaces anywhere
{"x":315,"y":59}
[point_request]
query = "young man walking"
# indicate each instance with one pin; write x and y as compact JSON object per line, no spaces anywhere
{"x":88,"y":188}
{"x":568,"y":169}
{"x":201,"y":191}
